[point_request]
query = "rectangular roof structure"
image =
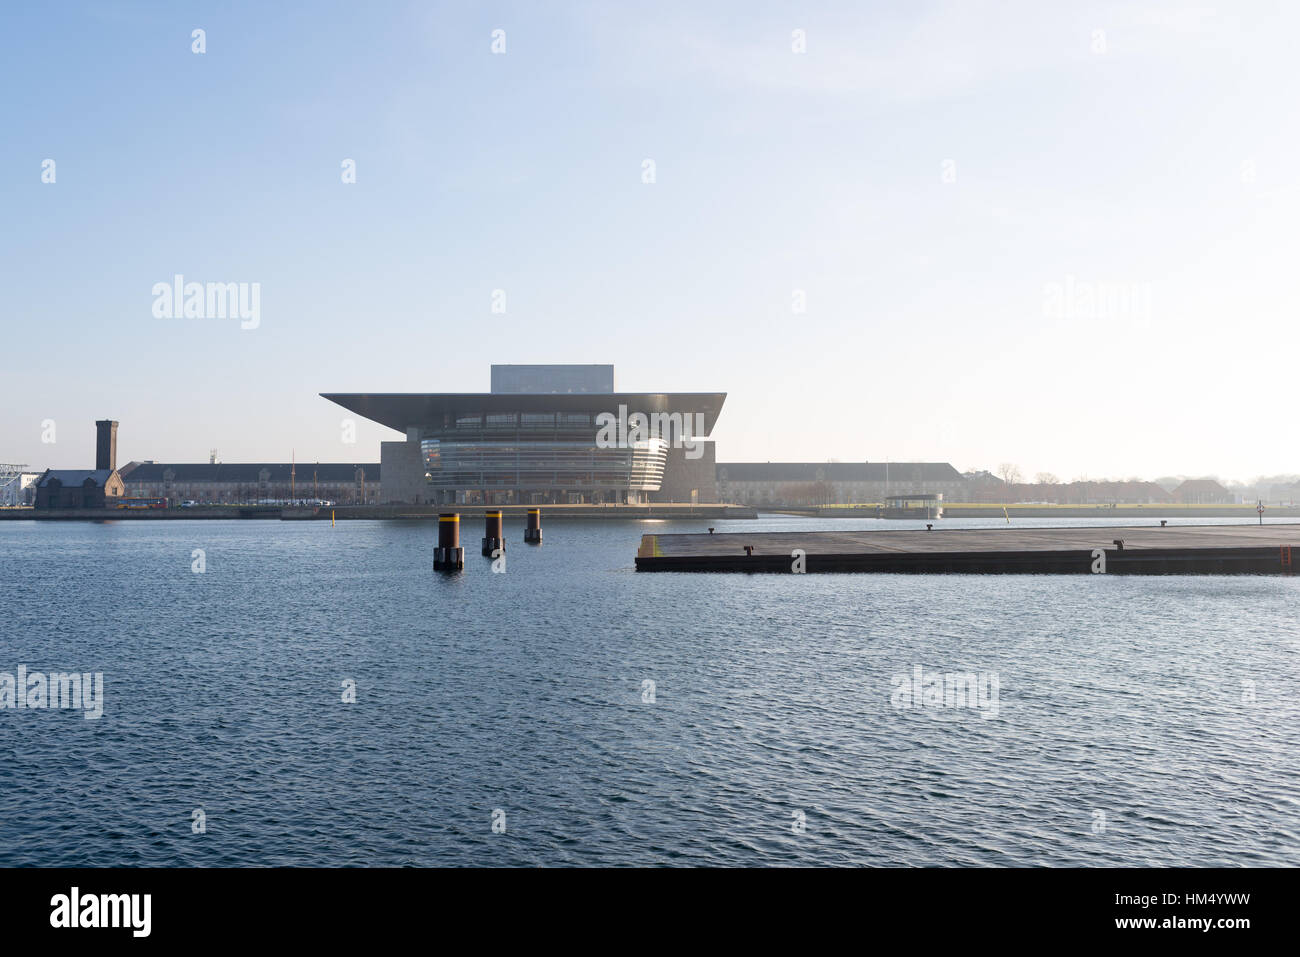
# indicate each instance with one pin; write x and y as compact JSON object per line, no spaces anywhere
{"x":402,"y":411}
{"x":525,"y":379}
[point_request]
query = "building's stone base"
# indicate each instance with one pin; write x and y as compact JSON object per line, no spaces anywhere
{"x":403,"y":471}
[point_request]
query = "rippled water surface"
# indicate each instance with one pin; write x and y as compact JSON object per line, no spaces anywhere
{"x":1123,"y":733}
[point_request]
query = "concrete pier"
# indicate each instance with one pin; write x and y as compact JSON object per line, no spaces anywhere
{"x":1115,"y":550}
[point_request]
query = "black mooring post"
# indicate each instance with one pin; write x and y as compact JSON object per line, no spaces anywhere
{"x":449,"y":554}
{"x":492,"y":535}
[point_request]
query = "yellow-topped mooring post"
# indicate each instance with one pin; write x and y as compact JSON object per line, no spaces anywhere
{"x":449,"y":554}
{"x":493,"y":538}
{"x":533,"y":530}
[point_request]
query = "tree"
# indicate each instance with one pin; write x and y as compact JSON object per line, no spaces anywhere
{"x":1009,"y":473}
{"x":1046,"y":478}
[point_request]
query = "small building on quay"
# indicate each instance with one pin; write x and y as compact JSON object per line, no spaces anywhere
{"x":78,"y":488}
{"x":85,"y":488}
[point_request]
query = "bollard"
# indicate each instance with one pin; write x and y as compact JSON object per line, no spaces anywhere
{"x":449,"y":554}
{"x":533,"y":530}
{"x":492,"y":537}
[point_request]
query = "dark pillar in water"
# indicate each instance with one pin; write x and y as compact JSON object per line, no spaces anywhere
{"x":533,"y":530}
{"x":449,"y":554}
{"x":492,"y":535}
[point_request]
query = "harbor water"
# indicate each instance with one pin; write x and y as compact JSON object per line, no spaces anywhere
{"x":300,"y":694}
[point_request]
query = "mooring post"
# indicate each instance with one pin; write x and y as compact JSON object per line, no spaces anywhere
{"x":533,"y":529}
{"x":449,"y":554}
{"x":492,"y":537}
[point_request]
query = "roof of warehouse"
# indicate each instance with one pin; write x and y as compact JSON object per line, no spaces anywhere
{"x":838,"y":472}
{"x":247,"y":472}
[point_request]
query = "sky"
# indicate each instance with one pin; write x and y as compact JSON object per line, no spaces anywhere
{"x":1057,"y":235}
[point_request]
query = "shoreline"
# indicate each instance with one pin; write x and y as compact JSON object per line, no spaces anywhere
{"x":425,"y":513}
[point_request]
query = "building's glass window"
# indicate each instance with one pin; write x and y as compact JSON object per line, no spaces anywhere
{"x":467,"y":465}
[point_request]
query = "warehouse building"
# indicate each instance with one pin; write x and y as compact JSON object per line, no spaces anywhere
{"x":221,"y":483}
{"x":834,"y":483}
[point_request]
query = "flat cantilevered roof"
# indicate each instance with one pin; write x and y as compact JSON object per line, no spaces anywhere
{"x":405,"y":410}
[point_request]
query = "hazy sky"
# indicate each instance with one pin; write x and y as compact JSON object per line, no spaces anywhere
{"x":1062,"y":235}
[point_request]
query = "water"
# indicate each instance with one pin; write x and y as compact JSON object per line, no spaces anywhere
{"x":1123,"y":732}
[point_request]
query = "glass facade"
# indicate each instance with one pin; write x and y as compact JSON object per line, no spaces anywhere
{"x":548,"y":458}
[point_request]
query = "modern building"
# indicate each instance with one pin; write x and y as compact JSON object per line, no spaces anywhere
{"x":85,"y":488}
{"x":545,"y":434}
{"x":241,"y":483}
{"x":17,"y":486}
{"x":834,"y":483}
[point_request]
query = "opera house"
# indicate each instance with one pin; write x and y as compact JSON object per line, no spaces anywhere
{"x":545,"y":434}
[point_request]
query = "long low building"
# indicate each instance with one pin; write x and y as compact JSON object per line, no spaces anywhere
{"x":834,"y":483}
{"x":223,"y":483}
